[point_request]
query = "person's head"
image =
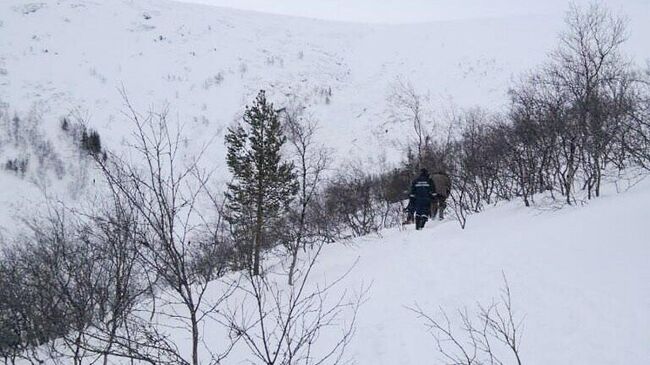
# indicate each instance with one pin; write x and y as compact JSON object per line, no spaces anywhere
{"x":424,"y":172}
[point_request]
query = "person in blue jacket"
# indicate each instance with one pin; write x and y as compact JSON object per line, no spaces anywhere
{"x":423,"y":192}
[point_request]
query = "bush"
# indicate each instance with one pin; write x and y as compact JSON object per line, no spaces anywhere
{"x":18,"y":165}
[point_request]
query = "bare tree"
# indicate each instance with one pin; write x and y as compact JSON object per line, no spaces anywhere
{"x":31,"y":311}
{"x":283,"y":325}
{"x":407,"y":106}
{"x":582,"y":113}
{"x":56,"y":254}
{"x":351,"y":204}
{"x":77,"y":291}
{"x":164,"y":193}
{"x":311,"y":162}
{"x":588,"y":66}
{"x":124,"y":330}
{"x":82,"y":291}
{"x":475,"y":339}
{"x":633,"y":142}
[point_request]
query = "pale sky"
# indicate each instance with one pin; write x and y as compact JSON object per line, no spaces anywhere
{"x":410,"y":11}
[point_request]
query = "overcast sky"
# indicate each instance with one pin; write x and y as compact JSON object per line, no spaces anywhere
{"x":408,"y":11}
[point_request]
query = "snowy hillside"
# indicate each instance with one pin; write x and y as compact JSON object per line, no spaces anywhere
{"x":579,"y":277}
{"x":579,"y":274}
{"x":207,"y":63}
{"x":71,"y":59}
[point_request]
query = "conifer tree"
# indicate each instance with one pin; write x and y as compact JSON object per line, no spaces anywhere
{"x":264,"y":184}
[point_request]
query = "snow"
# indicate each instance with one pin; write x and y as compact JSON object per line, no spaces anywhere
{"x":407,"y":11}
{"x":579,"y":278}
{"x":580,"y":275}
{"x":72,"y":58}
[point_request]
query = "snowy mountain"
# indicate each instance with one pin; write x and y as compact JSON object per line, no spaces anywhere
{"x":579,"y":276}
{"x":73,"y":58}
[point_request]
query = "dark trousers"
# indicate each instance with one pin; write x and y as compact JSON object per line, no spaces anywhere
{"x":438,"y":206}
{"x":420,"y":210}
{"x":420,"y":221}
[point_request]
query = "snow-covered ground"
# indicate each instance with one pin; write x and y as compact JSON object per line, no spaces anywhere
{"x":580,"y":278}
{"x":408,"y":11}
{"x":580,"y":275}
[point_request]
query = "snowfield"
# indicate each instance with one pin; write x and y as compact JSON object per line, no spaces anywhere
{"x":580,"y":276}
{"x":579,"y":279}
{"x":73,"y":58}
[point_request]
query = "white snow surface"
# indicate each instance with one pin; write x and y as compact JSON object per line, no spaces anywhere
{"x":579,"y":278}
{"x":408,"y":11}
{"x":579,"y":275}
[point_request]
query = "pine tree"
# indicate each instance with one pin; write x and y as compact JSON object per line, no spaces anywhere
{"x":264,"y":185}
{"x":91,"y":142}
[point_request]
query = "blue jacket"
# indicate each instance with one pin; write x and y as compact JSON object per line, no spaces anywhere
{"x":422,"y":194}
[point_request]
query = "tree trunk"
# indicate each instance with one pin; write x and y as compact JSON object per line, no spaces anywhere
{"x":292,"y":267}
{"x":258,"y":239}
{"x":195,"y":338}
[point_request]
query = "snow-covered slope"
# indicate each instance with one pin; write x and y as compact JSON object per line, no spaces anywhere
{"x":72,"y":57}
{"x":208,"y":62}
{"x":579,"y":277}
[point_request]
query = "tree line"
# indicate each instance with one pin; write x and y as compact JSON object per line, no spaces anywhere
{"x":578,"y":119}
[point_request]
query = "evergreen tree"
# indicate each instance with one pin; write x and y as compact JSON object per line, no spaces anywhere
{"x":264,"y":185}
{"x":91,"y":142}
{"x":94,"y":142}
